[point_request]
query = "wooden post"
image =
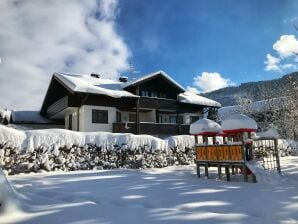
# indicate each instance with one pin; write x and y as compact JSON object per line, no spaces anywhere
{"x":138,"y":111}
{"x":218,"y":163}
{"x":244,"y":170}
{"x":277,"y":155}
{"x":206,"y":157}
{"x":245,"y":173}
{"x":196,"y":140}
{"x":196,"y":150}
{"x":78,"y":120}
{"x":206,"y":170}
{"x":228,"y":173}
{"x":157,"y":116}
{"x":198,"y":170}
{"x":178,"y":122}
{"x":219,"y":170}
{"x":214,"y":140}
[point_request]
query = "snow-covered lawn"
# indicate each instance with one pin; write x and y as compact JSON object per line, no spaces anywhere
{"x":167,"y":195}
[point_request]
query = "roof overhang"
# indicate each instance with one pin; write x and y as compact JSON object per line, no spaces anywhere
{"x":152,"y":76}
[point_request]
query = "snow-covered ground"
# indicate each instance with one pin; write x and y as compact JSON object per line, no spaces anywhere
{"x":167,"y":195}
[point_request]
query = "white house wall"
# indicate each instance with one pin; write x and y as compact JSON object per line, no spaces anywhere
{"x":86,"y":124}
{"x":73,"y":111}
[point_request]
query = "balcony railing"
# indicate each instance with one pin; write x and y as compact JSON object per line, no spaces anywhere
{"x":151,"y":128}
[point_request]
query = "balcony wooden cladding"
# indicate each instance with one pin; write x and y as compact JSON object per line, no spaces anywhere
{"x":151,"y":128}
{"x":158,"y":103}
{"x":220,"y":153}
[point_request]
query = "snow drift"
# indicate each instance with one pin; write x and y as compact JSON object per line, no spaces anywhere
{"x":8,"y":201}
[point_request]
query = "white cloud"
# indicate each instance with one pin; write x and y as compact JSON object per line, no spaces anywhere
{"x":209,"y":81}
{"x":290,"y":20}
{"x":192,"y":89}
{"x":288,"y":66}
{"x":286,"y":46}
{"x":272,"y":63}
{"x":38,"y":38}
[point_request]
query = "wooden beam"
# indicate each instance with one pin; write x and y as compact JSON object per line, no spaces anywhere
{"x":198,"y":170}
{"x":138,"y":112}
{"x":277,"y":155}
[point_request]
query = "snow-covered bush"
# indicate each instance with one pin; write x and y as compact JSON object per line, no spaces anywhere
{"x":57,"y":149}
{"x":288,"y":147}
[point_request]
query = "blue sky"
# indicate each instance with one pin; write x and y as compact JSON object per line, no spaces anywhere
{"x":203,"y":44}
{"x":187,"y":38}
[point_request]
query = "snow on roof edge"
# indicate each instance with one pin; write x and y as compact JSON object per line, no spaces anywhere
{"x":192,"y":98}
{"x":95,"y":89}
{"x":147,"y":76}
{"x":28,"y":116}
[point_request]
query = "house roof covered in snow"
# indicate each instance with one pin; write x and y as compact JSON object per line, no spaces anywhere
{"x":28,"y":117}
{"x":78,"y":87}
{"x":150,"y":76}
{"x":192,"y":98}
{"x":93,"y":84}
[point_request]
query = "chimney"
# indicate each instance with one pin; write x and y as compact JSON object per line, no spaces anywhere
{"x":123,"y":79}
{"x":95,"y":75}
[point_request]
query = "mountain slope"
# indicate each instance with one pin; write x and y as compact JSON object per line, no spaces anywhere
{"x":255,"y":90}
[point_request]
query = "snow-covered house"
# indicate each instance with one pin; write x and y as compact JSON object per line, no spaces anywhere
{"x":152,"y":104}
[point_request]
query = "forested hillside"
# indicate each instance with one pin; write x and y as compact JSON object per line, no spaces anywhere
{"x":255,"y":91}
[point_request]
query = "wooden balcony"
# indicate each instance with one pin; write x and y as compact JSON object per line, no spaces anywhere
{"x":152,"y":128}
{"x":158,"y":103}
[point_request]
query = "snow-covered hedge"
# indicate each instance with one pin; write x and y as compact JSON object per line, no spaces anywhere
{"x":288,"y":147}
{"x":58,"y":149}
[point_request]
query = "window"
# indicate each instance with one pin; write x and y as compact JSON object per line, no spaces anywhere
{"x":118,"y":117}
{"x":173,"y":119}
{"x":194,"y":119}
{"x":153,"y":94}
{"x":162,"y":95}
{"x":100,"y":116}
{"x":144,"y":93}
{"x":132,"y":117}
{"x":70,"y":122}
{"x":160,"y":118}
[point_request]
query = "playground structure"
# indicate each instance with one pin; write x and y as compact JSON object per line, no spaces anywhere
{"x":231,"y":146}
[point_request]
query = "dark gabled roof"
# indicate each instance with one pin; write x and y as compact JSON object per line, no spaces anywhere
{"x":151,"y":76}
